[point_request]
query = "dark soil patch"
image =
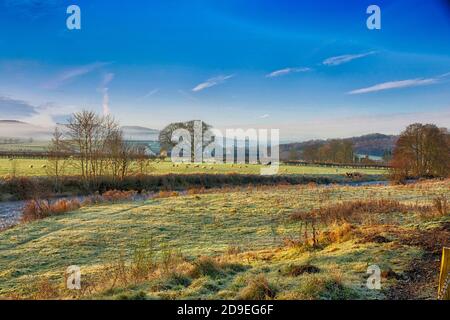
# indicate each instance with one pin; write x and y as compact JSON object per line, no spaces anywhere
{"x":375,"y":239}
{"x":420,"y":281}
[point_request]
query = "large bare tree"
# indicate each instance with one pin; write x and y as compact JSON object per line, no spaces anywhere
{"x":423,"y":150}
{"x":98,"y":145}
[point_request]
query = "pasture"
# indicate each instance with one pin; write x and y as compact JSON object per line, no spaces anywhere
{"x":37,"y":167}
{"x":233,"y":243}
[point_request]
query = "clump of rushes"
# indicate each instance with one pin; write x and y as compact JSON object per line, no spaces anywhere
{"x":206,"y":266}
{"x":37,"y":209}
{"x":258,"y":288}
{"x":40,"y":209}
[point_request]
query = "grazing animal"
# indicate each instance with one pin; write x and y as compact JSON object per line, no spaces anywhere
{"x":353,"y":175}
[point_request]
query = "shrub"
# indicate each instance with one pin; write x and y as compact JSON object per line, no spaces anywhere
{"x":40,"y":209}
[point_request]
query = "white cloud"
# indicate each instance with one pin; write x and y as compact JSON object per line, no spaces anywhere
{"x":335,"y":61}
{"x":265,"y":116}
{"x":285,"y":71}
{"x":72,"y":73}
{"x":212,"y":82}
{"x":400,"y":84}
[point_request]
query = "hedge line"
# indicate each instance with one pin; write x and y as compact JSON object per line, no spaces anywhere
{"x":26,"y":188}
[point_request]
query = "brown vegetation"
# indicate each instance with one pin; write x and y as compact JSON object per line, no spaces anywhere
{"x":258,"y":288}
{"x":40,"y":209}
{"x":421,"y":151}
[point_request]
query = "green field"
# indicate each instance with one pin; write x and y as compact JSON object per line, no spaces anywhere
{"x":36,"y":167}
{"x":245,"y":230}
{"x":34,"y":146}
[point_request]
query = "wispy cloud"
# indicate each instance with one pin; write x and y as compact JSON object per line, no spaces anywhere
{"x":265,"y":116}
{"x":72,"y":73}
{"x":335,"y":61}
{"x":150,"y":93}
{"x":107,"y":78}
{"x":400,"y":84}
{"x":212,"y":82}
{"x":285,"y":71}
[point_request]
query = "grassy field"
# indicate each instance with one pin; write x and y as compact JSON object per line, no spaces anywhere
{"x":249,"y":237}
{"x":36,"y":167}
{"x":35,"y":146}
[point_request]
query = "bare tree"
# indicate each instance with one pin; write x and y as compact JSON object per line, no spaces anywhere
{"x":92,"y":138}
{"x":57,"y":157}
{"x":422,"y":151}
{"x":142,"y":159}
{"x":120,"y":155}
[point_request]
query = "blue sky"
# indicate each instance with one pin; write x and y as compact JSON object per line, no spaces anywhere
{"x":310,"y":68}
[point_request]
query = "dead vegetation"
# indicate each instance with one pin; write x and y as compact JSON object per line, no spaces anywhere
{"x":258,"y":288}
{"x":41,"y":209}
{"x":336,"y":222}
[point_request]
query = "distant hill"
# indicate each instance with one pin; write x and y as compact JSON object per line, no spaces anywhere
{"x":11,"y":121}
{"x":140,"y":133}
{"x":23,"y":130}
{"x":374,"y":144}
{"x":371,"y":144}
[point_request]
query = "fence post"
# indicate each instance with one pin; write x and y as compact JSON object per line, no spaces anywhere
{"x":444,"y":278}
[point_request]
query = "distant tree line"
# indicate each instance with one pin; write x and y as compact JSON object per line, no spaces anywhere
{"x":335,"y":151}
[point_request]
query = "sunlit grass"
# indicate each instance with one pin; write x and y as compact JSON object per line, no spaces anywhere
{"x":253,"y":220}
